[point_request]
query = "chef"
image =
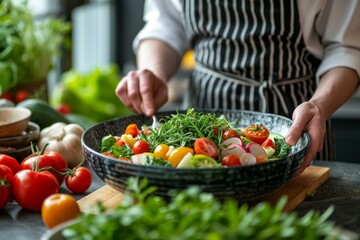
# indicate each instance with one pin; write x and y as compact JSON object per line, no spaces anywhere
{"x":299,"y":59}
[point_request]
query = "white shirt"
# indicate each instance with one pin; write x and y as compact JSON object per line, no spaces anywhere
{"x":331,"y":30}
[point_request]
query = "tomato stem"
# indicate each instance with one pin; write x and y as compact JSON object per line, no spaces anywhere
{"x":4,"y":183}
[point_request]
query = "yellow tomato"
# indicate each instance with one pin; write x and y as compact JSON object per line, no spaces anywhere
{"x":161,"y":150}
{"x":58,"y":208}
{"x":177,"y":154}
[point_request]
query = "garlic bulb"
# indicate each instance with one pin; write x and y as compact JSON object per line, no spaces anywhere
{"x":64,"y":139}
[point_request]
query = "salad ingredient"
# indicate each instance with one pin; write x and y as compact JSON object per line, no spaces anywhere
{"x":256,"y":150}
{"x":247,"y":159}
{"x":132,"y":130}
{"x":185,"y":161}
{"x":6,"y":179}
{"x":11,"y":162}
{"x":192,"y":214}
{"x":207,"y":147}
{"x":140,"y":146}
{"x":162,"y":151}
{"x":182,"y":129}
{"x":281,"y":148}
{"x":177,"y":155}
{"x":268,"y":143}
{"x":233,"y":140}
{"x":45,"y":159}
{"x":230,"y":133}
{"x":64,"y":139}
{"x":58,"y":208}
{"x":232,"y":149}
{"x":128,"y":139}
{"x":257,"y":133}
{"x":269,"y":151}
{"x":30,"y":188}
{"x":203,"y":161}
{"x":141,"y":158}
{"x":78,"y":180}
{"x":230,"y":160}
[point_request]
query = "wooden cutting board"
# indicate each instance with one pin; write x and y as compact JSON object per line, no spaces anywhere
{"x":296,"y":191}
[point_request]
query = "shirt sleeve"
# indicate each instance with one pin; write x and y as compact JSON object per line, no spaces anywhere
{"x":332,"y":32}
{"x":163,"y":21}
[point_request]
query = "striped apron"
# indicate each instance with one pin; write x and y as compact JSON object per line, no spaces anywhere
{"x":250,"y":55}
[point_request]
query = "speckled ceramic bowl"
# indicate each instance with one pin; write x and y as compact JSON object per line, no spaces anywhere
{"x":245,"y":183}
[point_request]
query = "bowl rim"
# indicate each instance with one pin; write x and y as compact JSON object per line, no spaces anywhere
{"x":26,"y":111}
{"x":36,"y":129}
{"x":304,"y":135}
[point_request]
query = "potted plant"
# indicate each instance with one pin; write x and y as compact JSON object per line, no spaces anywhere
{"x":27,"y":49}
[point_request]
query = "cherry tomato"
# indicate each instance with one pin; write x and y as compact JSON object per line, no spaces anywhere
{"x":141,"y":146}
{"x":229,"y":134}
{"x":132,"y":129}
{"x":268,"y":143}
{"x":63,"y":108}
{"x":257,"y":133}
{"x":21,"y":95}
{"x":79,"y":181}
{"x":11,"y":162}
{"x":31,"y":188}
{"x":6,"y":179}
{"x":231,"y":160}
{"x":206,"y":147}
{"x":177,"y":155}
{"x":216,"y":130}
{"x":161,"y":151}
{"x":58,"y":208}
{"x":47,"y":159}
{"x":119,"y":142}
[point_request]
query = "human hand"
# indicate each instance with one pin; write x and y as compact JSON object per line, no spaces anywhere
{"x":142,"y":92}
{"x":307,"y":117}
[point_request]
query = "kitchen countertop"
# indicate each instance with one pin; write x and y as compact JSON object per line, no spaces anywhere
{"x":342,"y":191}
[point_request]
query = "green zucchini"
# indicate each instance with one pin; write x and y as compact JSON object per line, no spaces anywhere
{"x":42,"y":113}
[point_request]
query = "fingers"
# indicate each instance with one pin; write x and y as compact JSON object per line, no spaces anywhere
{"x":142,"y":92}
{"x":307,"y":118}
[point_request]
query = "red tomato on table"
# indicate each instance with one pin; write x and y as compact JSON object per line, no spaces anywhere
{"x":48,"y":159}
{"x":206,"y":147}
{"x":6,"y":179}
{"x":79,"y":181}
{"x":257,"y":133}
{"x":11,"y":162}
{"x":31,"y":188}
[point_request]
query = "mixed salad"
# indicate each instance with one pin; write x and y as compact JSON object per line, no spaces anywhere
{"x":196,"y":140}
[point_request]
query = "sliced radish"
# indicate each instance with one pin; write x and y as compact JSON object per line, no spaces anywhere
{"x":185,"y":162}
{"x":232,"y":149}
{"x":233,"y":140}
{"x":247,"y":159}
{"x":256,"y":150}
{"x":269,"y":151}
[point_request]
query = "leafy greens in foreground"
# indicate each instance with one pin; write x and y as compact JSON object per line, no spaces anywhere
{"x":192,"y":214}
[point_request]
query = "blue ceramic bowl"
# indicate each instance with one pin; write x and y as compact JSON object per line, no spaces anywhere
{"x":244,"y":183}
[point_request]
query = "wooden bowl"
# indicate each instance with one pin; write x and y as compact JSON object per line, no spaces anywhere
{"x":13,"y":121}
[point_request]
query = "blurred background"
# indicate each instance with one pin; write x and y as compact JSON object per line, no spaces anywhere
{"x":74,"y":62}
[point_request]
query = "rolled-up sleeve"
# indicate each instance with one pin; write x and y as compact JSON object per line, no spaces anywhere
{"x":163,"y":22}
{"x":338,"y":27}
